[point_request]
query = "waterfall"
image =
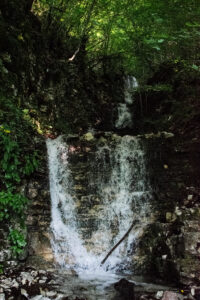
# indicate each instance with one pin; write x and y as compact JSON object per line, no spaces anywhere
{"x":124,"y":119}
{"x":90,"y":216}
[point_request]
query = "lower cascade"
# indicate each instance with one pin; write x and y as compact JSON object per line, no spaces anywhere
{"x":98,"y":189}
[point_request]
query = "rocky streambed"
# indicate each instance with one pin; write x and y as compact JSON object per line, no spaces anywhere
{"x":29,"y":283}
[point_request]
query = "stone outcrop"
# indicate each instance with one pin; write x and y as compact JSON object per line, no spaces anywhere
{"x":172,"y":242}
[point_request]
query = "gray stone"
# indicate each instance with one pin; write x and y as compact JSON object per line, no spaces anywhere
{"x":27,"y":278}
{"x":51,"y":294}
{"x":171,"y":296}
{"x":170,"y":217}
{"x":34,"y":273}
{"x":159,"y":294}
{"x":41,"y":281}
{"x":5,"y":255}
{"x":2,"y":297}
{"x":24,"y":293}
{"x":42,"y":272}
{"x":15,"y":284}
{"x":32,"y":193}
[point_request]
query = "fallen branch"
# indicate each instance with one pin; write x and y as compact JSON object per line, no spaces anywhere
{"x":111,"y":251}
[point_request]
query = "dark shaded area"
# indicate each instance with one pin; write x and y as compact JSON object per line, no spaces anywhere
{"x":125,"y":289}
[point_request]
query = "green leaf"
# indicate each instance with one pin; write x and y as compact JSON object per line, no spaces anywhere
{"x":195,"y":67}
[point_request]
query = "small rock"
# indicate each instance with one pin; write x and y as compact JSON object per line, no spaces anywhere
{"x":5,"y":255}
{"x":44,"y":278}
{"x":170,"y":217}
{"x":27,"y":277}
{"x":42,"y":292}
{"x":7,"y":281}
{"x":42,"y":272}
{"x":171,"y":296}
{"x":15,"y":284}
{"x":178,"y":211}
{"x":41,"y":281}
{"x":167,"y":134}
{"x":12,"y":263}
{"x":88,"y":137}
{"x":24,"y":293}
{"x":193,"y":291}
{"x":51,"y":294}
{"x":34,"y":273}
{"x":32,"y":193}
{"x":159,"y":294}
{"x":2,"y":297}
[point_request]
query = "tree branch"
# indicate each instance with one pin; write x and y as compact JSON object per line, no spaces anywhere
{"x":120,"y":241}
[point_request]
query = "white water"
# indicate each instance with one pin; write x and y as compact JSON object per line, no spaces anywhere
{"x":124,"y":119}
{"x":119,"y":180}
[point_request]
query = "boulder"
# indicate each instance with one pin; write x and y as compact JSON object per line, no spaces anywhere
{"x":125,"y":289}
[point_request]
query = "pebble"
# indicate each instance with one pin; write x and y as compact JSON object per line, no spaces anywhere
{"x":24,"y":293}
{"x":51,"y":294}
{"x":42,"y":272}
{"x":42,"y":281}
{"x":159,"y":294}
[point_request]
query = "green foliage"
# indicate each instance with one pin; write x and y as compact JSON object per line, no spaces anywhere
{"x":1,"y":269}
{"x":14,"y":164}
{"x":17,"y":241}
{"x":144,"y":32}
{"x":11,"y":205}
{"x":18,"y":159}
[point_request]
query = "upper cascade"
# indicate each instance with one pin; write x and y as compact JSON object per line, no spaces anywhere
{"x":124,"y":119}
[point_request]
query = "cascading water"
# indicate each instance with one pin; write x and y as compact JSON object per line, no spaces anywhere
{"x":124,"y":119}
{"x":116,"y":193}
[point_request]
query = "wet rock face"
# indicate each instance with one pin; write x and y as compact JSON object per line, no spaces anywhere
{"x":38,"y":221}
{"x":171,"y":244}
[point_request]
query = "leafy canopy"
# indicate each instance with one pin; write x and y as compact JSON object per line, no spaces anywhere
{"x":142,"y":32}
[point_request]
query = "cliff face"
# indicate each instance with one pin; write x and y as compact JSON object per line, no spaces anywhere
{"x":172,"y":242}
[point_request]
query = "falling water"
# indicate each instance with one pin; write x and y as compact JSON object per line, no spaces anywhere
{"x":116,"y":194}
{"x":124,"y":119}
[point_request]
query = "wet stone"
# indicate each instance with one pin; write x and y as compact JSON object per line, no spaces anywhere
{"x":171,"y":296}
{"x":2,"y":296}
